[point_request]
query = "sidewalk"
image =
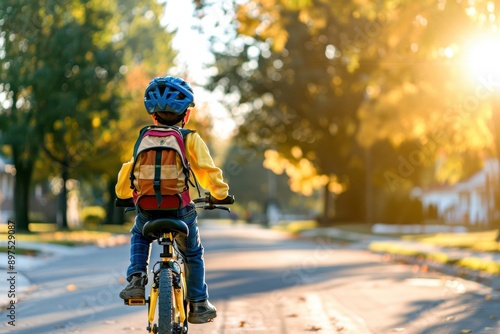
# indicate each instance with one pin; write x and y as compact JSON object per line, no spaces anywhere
{"x":14,"y":284}
{"x":394,"y":249}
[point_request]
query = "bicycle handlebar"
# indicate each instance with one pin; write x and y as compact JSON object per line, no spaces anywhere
{"x":124,"y":203}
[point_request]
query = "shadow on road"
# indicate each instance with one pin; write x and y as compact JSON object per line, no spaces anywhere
{"x":229,"y":283}
{"x":458,"y":313}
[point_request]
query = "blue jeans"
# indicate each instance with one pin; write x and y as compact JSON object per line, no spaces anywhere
{"x":190,"y":247}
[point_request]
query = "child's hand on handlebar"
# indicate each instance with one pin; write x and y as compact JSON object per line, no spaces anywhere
{"x":228,"y":200}
{"x":214,"y":203}
{"x":126,"y":203}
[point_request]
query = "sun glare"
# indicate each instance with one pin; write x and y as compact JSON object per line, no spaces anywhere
{"x":483,"y":59}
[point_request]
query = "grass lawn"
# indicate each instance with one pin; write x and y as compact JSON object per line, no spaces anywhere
{"x":477,"y":241}
{"x":295,"y":226}
{"x":472,"y":241}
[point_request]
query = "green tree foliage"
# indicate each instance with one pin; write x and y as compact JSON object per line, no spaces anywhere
{"x":146,"y":52}
{"x":59,"y":70}
{"x":73,"y":74}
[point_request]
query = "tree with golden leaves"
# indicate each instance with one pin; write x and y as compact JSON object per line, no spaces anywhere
{"x":338,"y":80}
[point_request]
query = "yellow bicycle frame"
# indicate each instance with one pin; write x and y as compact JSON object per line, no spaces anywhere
{"x":178,"y":300}
{"x":153,"y":298}
{"x":180,"y":314}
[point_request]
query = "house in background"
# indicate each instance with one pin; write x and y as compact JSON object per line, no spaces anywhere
{"x":469,"y":202}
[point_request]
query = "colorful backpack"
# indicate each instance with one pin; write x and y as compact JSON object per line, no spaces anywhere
{"x":160,"y":172}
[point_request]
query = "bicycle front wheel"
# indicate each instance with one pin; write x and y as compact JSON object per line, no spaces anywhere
{"x":165,"y":306}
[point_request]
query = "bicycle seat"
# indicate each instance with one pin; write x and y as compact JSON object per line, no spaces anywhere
{"x":154,"y":228}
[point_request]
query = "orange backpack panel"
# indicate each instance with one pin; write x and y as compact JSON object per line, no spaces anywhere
{"x":160,"y":173}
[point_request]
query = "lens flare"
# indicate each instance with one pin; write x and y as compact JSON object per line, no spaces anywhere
{"x":483,"y":59}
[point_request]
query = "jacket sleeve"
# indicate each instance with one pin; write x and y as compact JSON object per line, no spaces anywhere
{"x":208,"y":175}
{"x":122,"y":188}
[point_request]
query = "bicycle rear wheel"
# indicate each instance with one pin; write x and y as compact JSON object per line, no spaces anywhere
{"x":165,"y":307}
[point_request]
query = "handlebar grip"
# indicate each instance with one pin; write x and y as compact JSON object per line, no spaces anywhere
{"x":127,"y":203}
{"x":228,"y":200}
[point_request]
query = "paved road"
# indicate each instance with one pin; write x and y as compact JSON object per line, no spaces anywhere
{"x":263,"y":282}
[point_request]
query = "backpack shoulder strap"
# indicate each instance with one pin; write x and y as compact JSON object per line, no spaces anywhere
{"x":184,"y":133}
{"x":138,"y":141}
{"x":134,"y":155}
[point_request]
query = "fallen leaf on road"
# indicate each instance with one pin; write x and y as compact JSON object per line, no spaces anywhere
{"x":465,"y":331}
{"x":71,"y":287}
{"x":313,"y":329}
{"x":242,"y":323}
{"x":294,"y":315}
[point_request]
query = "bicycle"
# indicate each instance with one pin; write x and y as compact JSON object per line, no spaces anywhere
{"x":168,"y":289}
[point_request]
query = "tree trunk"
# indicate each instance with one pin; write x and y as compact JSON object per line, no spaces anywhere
{"x":369,"y":208}
{"x":62,"y":221}
{"x":325,"y":216}
{"x":24,"y":172}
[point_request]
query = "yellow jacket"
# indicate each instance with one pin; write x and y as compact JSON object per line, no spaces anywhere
{"x":208,"y":175}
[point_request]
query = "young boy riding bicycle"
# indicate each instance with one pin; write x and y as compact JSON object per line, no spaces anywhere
{"x":169,"y":101}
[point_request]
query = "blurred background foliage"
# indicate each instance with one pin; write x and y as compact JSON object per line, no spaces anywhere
{"x":347,"y":104}
{"x":361,"y":90}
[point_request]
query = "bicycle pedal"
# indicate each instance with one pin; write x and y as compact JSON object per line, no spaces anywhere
{"x":135,"y":302}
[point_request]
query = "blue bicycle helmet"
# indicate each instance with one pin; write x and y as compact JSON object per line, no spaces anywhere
{"x":168,"y":94}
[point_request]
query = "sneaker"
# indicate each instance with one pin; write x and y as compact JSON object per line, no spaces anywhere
{"x":136,"y":287}
{"x":201,"y":312}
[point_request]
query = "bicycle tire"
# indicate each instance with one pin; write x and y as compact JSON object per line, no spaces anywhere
{"x":165,"y":307}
